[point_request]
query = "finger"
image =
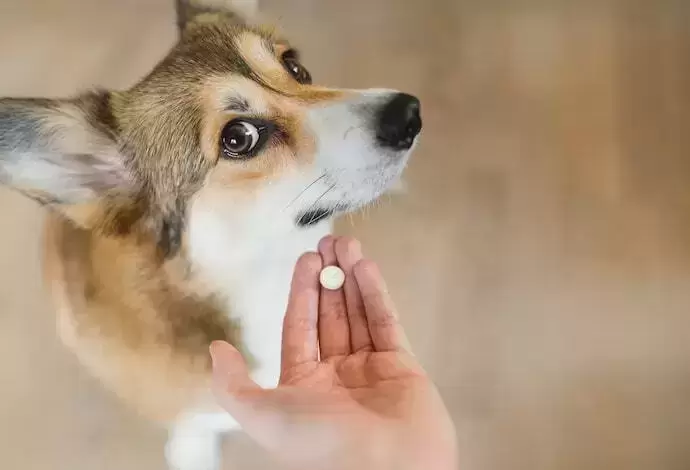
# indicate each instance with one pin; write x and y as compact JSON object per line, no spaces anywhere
{"x":300,"y":324}
{"x":349,"y":253}
{"x":230,"y":373}
{"x":269,"y":416}
{"x":382,"y":318}
{"x":334,"y":331}
{"x":238,"y":394}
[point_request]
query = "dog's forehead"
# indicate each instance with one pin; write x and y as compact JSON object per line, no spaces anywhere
{"x":222,"y":48}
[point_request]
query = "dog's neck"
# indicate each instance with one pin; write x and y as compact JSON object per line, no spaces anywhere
{"x":235,"y":257}
{"x":250,"y":268}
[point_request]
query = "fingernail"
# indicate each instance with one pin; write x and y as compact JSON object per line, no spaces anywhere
{"x":215,"y":351}
{"x":219,"y":366}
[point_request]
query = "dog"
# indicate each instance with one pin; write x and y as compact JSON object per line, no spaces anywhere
{"x":178,"y":208}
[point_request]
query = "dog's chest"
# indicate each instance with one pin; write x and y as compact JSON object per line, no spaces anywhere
{"x":254,"y":278}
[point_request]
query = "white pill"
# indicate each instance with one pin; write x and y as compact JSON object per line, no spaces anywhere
{"x":332,"y":278}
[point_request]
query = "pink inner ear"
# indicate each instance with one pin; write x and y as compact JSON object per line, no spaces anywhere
{"x":62,"y":151}
{"x":66,"y":179}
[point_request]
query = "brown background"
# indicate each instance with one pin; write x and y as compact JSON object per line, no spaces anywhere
{"x":541,"y":254}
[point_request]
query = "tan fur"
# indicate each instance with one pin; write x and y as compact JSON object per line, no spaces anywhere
{"x":138,"y":321}
{"x":128,"y":304}
{"x":287,"y":111}
{"x":138,"y":326}
{"x":253,"y":51}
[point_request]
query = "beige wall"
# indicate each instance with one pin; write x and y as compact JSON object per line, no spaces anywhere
{"x":541,"y":255}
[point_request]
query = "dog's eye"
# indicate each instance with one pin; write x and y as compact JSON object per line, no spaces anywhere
{"x":293,"y":65}
{"x":243,"y":138}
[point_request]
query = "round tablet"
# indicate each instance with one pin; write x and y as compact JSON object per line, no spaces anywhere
{"x":332,"y":278}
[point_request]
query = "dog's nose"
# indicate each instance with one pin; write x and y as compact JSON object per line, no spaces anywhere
{"x":400,"y":122}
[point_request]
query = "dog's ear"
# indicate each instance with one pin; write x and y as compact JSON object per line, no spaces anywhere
{"x":189,"y":11}
{"x":63,"y":153}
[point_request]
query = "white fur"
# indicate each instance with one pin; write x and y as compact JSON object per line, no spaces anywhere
{"x":245,"y":247}
{"x":194,"y":442}
{"x":252,"y":265}
{"x":250,"y":258}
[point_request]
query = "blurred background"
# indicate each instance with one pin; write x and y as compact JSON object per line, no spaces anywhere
{"x":540,"y":255}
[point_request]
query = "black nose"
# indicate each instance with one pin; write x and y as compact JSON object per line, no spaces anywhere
{"x":400,"y":122}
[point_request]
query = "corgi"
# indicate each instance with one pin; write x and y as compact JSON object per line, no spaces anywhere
{"x":178,"y":208}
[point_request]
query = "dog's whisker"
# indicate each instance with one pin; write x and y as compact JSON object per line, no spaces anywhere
{"x":313,"y":204}
{"x":305,"y":190}
{"x":347,"y":132}
{"x":331,"y":188}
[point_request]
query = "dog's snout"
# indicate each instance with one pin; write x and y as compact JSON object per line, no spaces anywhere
{"x":400,"y":122}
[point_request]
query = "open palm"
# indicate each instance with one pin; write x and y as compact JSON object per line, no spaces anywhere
{"x":346,"y":373}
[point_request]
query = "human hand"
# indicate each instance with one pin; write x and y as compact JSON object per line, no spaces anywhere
{"x":351,"y":395}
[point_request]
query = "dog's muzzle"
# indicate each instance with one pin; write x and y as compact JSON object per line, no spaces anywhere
{"x":400,"y":122}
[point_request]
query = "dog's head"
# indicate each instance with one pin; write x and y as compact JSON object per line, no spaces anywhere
{"x":228,"y":125}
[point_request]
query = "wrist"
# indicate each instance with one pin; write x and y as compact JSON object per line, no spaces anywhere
{"x":417,"y":445}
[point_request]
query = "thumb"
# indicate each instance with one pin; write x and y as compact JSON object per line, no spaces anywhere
{"x":255,"y":409}
{"x":231,"y":382}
